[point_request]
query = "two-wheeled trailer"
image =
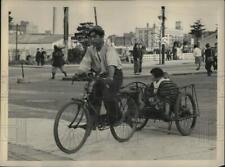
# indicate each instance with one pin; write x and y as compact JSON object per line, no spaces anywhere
{"x":184,"y":112}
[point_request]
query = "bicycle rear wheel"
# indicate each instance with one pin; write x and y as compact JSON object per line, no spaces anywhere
{"x":72,"y":127}
{"x":141,"y":123}
{"x":125,"y":128}
{"x":185,"y":112}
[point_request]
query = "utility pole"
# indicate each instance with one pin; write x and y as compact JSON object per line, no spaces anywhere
{"x":163,"y":34}
{"x":53,"y":25}
{"x":16,"y":41}
{"x":66,"y":30}
{"x":96,"y":22}
{"x":147,"y":42}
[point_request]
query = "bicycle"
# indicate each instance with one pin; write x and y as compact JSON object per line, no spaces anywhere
{"x":79,"y":117}
{"x":184,"y":112}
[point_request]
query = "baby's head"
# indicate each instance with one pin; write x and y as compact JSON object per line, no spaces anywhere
{"x":166,"y":75}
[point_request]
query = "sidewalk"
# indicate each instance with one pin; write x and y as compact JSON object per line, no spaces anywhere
{"x":32,"y":139}
{"x":146,"y":63}
{"x":173,"y":67}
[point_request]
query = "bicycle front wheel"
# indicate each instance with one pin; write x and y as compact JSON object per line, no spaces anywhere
{"x":72,"y":127}
{"x":125,"y":128}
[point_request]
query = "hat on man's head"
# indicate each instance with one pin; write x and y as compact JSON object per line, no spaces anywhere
{"x":157,"y":72}
{"x":97,"y":30}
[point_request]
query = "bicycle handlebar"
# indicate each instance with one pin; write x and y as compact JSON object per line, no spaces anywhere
{"x":87,"y":77}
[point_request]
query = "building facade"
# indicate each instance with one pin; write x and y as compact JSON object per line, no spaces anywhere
{"x":208,"y":37}
{"x":25,"y":27}
{"x":126,"y":40}
{"x":27,"y":44}
{"x":151,"y":36}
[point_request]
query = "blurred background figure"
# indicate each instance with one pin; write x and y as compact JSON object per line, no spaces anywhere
{"x":209,"y":59}
{"x":197,"y":53}
{"x":215,"y":52}
{"x":57,"y":61}
{"x":42,"y":56}
{"x":38,"y":57}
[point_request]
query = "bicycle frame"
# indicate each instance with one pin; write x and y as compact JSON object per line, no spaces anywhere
{"x":85,"y":101}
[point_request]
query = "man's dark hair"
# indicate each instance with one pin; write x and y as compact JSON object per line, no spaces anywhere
{"x":55,"y":47}
{"x":195,"y":46}
{"x":157,"y":72}
{"x":207,"y":45}
{"x":97,"y":30}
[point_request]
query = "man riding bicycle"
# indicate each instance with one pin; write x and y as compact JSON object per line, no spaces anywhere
{"x":104,"y":60}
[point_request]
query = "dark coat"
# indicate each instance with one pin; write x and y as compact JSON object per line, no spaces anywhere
{"x":137,"y":52}
{"x":38,"y":56}
{"x":209,"y":55}
{"x":57,"y":58}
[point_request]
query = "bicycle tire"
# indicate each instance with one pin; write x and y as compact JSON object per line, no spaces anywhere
{"x":67,"y":120}
{"x":125,"y":118}
{"x":179,"y":110}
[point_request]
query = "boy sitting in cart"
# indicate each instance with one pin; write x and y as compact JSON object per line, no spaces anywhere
{"x":161,"y":94}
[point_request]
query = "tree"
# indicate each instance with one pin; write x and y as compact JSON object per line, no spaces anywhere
{"x":197,"y":30}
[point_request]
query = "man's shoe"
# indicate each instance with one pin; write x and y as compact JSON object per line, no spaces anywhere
{"x":166,"y":117}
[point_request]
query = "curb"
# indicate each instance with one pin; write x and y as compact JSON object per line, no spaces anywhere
{"x":146,"y":75}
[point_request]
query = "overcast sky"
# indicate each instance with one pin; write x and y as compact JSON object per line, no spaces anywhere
{"x":116,"y":17}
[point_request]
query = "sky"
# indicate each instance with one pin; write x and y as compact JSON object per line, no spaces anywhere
{"x":116,"y":17}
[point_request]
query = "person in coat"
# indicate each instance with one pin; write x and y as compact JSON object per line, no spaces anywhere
{"x":57,"y":61}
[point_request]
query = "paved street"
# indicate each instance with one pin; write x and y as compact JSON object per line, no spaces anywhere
{"x":33,"y":105}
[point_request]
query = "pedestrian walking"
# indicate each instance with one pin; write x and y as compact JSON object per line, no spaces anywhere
{"x":136,"y":58}
{"x":141,"y":49}
{"x":42,"y":56}
{"x":38,"y":57}
{"x":179,"y":52}
{"x":209,"y":59}
{"x":215,"y":52}
{"x":197,"y":53}
{"x":168,"y":55}
{"x":57,"y":61}
{"x":174,"y":50}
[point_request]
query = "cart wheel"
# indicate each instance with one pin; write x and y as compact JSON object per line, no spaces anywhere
{"x":185,"y":113}
{"x":141,"y":123}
